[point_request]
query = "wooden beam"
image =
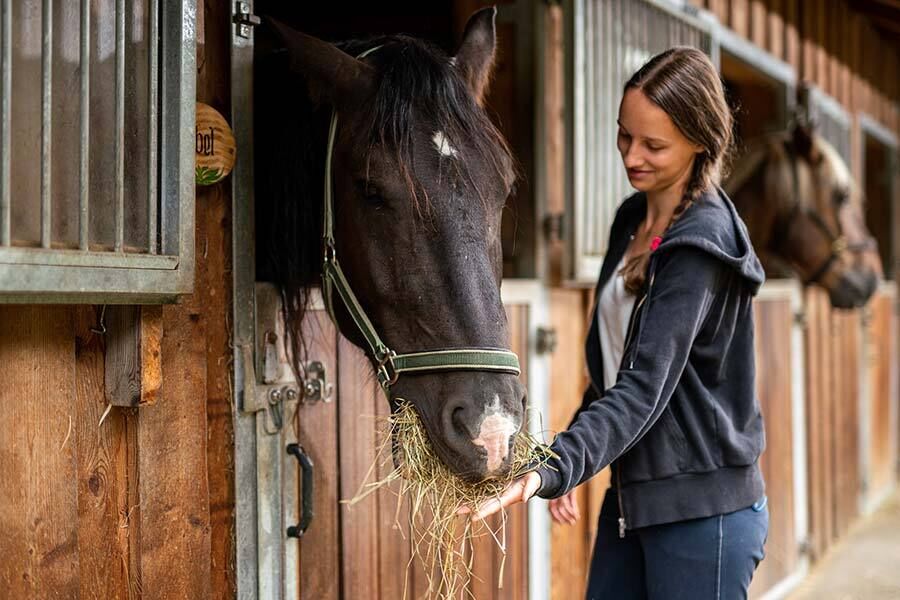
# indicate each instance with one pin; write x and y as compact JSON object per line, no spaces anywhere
{"x":133,"y":356}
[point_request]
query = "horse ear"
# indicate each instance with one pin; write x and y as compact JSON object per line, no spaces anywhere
{"x":803,"y":141}
{"x":475,"y":56}
{"x":333,"y":76}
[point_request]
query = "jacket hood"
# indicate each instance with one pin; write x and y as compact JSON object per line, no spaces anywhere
{"x":714,"y":225}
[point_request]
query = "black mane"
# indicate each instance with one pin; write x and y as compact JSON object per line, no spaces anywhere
{"x":417,"y":83}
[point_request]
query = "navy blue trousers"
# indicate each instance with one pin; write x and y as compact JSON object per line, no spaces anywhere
{"x":711,"y":558}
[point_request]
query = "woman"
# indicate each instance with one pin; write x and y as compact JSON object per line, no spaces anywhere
{"x":672,"y":404}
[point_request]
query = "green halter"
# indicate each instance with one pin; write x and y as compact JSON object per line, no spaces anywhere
{"x":391,"y":364}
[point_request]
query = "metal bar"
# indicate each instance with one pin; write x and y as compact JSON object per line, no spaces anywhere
{"x":120,"y":125}
{"x":84,"y":172}
{"x":46,"y":114}
{"x":153,"y":136}
{"x":5,"y":121}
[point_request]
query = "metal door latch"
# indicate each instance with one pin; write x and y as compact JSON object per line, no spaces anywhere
{"x":268,"y":397}
{"x":243,"y":19}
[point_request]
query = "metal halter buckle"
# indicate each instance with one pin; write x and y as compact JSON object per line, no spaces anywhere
{"x":330,"y":252}
{"x":387,"y":372}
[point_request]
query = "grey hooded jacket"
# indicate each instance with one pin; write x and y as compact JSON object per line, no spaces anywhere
{"x":681,"y":425}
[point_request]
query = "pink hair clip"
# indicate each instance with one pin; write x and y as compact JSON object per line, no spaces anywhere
{"x":655,"y":243}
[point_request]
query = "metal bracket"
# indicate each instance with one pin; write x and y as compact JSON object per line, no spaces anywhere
{"x":546,"y":340}
{"x":243,"y":19}
{"x":316,"y":388}
{"x":268,"y":397}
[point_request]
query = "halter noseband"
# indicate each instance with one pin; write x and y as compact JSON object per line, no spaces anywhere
{"x":838,"y":243}
{"x":391,"y":364}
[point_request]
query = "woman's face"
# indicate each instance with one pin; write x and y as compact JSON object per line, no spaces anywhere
{"x":655,"y":152}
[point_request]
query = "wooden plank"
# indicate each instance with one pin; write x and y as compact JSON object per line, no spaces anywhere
{"x":739,"y":17}
{"x":775,"y":33}
{"x":758,"y":21}
{"x":773,"y":321}
{"x":571,"y":545}
{"x":359,"y":394}
{"x":792,"y":45}
{"x":38,"y":501}
{"x":172,"y":437}
{"x":214,"y":286}
{"x":881,"y":334}
{"x":104,"y":529}
{"x":317,"y":431}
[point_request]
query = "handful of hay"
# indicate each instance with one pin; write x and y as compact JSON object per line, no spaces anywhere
{"x":439,"y":535}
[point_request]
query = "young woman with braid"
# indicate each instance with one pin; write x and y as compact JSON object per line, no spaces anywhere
{"x":671,"y":405}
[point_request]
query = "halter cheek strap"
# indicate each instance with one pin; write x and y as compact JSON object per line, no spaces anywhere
{"x":391,"y":364}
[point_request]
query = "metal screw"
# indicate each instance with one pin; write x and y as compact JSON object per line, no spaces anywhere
{"x":274,"y":396}
{"x":290,"y":394}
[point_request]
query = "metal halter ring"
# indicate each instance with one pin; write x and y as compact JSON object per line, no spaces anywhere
{"x":387,"y":376}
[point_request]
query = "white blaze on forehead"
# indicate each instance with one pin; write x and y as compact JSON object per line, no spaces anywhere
{"x":494,"y":435}
{"x":442,"y":144}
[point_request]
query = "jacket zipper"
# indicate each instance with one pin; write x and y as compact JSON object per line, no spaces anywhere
{"x":622,"y":521}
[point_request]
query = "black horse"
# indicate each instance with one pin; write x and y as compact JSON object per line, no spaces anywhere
{"x":420,"y":178}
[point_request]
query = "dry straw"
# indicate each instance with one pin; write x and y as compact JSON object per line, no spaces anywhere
{"x":441,"y":539}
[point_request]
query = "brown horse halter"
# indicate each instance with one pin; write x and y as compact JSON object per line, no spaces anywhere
{"x":838,"y":242}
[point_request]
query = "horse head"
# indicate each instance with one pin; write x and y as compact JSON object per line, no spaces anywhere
{"x":420,"y":178}
{"x":805,"y":214}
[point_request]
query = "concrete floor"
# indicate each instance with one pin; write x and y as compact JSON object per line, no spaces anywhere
{"x":865,"y":565}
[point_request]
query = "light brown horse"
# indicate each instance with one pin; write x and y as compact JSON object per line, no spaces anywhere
{"x":805,"y":215}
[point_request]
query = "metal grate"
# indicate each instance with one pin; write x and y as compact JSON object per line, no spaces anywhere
{"x":96,"y":153}
{"x":831,"y":120}
{"x":608,"y":41}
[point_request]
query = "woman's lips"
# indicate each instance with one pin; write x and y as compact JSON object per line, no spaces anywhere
{"x":638,"y":173}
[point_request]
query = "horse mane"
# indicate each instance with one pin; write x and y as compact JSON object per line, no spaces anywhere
{"x":417,"y":83}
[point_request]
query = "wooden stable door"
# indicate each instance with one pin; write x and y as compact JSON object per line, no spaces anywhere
{"x":360,"y":551}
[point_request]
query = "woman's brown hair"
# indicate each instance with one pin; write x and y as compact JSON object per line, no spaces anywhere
{"x":684,"y":83}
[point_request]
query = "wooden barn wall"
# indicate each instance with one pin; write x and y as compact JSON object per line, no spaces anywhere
{"x":829,"y":44}
{"x":140,"y":505}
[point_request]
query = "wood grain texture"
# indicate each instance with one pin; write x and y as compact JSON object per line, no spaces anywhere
{"x":317,"y":431}
{"x":174,"y":495}
{"x":773,"y":321}
{"x":214,"y":281}
{"x":104,"y":528}
{"x":38,"y":501}
{"x":358,"y":395}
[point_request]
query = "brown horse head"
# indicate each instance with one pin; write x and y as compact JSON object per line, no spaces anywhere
{"x":421,"y":176}
{"x":805,"y":215}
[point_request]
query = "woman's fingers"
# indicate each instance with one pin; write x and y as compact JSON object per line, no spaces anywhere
{"x":519,"y":490}
{"x":564,"y":510}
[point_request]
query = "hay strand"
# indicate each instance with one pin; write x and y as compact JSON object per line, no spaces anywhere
{"x":441,"y":540}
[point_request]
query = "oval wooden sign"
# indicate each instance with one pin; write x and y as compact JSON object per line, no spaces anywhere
{"x":214,"y":149}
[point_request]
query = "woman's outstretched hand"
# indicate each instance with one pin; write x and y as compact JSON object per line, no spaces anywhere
{"x":564,"y":509}
{"x":519,"y":490}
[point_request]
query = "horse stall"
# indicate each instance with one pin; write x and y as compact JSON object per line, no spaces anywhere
{"x":154,"y":440}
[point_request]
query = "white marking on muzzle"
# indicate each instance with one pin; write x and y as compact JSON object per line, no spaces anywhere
{"x":493,"y":436}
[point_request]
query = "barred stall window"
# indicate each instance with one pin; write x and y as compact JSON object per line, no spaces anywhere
{"x":607,"y":41}
{"x":96,"y":150}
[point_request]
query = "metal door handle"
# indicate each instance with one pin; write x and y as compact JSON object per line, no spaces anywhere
{"x":306,"y":506}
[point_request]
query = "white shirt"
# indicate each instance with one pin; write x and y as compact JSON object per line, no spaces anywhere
{"x":613,"y":313}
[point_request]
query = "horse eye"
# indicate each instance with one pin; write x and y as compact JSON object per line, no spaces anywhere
{"x":373,"y":197}
{"x":840,"y":197}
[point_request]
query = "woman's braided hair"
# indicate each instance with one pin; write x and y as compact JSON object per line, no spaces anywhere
{"x":684,"y":83}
